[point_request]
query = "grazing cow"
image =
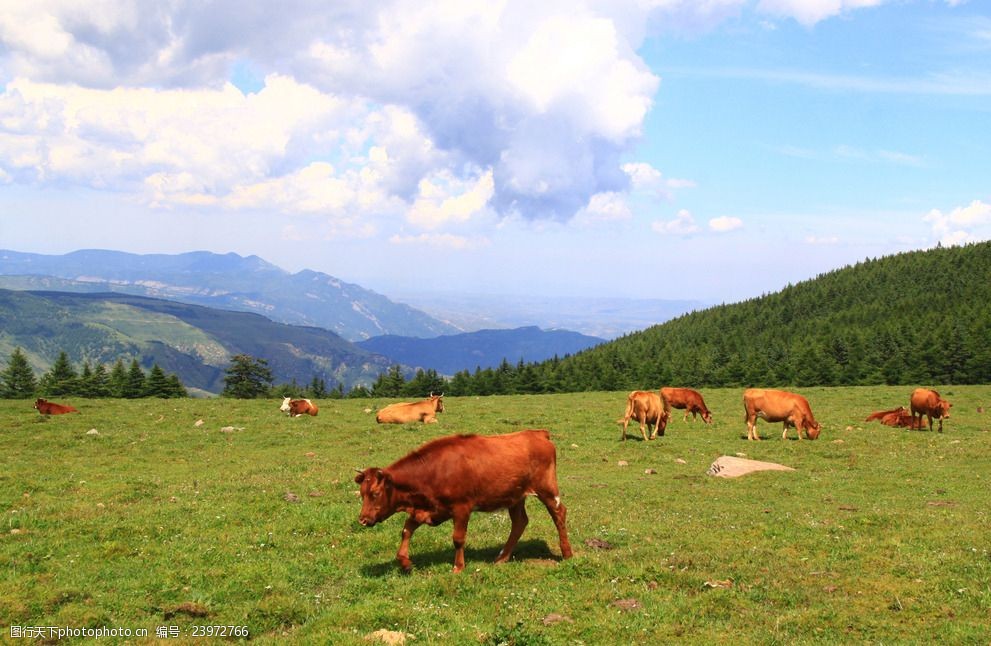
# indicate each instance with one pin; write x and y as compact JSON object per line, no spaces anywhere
{"x":899,"y":417}
{"x":929,"y":403}
{"x":450,"y":477}
{"x":46,"y":407}
{"x":422,"y":411}
{"x":779,"y":406}
{"x":689,"y":400}
{"x":647,"y":407}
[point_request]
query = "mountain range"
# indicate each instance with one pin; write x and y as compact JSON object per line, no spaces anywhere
{"x":482,"y":349}
{"x":225,"y":281}
{"x":192,"y":341}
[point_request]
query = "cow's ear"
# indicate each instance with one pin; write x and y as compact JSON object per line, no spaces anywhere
{"x":360,"y":477}
{"x":383,"y":477}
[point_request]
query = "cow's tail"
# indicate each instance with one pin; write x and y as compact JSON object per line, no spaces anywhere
{"x":629,"y":412}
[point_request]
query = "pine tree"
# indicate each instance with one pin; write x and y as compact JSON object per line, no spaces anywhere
{"x":157,"y":384}
{"x":61,"y":379}
{"x":85,"y":380}
{"x":118,"y":379}
{"x":318,"y":388}
{"x":134,"y":384}
{"x":17,"y":381}
{"x":389,"y":384}
{"x":176,"y":389}
{"x":247,"y":377}
{"x":99,"y":384}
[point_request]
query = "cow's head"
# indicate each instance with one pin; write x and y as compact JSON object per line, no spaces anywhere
{"x":285,"y":405}
{"x":376,"y":496}
{"x":438,"y":401}
{"x":943,"y":407}
{"x":707,"y":417}
{"x":39,"y":402}
{"x":812,"y":430}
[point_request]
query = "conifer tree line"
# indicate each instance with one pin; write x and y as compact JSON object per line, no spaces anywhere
{"x":18,"y":380}
{"x":920,"y":318}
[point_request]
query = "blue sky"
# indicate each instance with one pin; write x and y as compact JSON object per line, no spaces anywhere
{"x":653,"y":149}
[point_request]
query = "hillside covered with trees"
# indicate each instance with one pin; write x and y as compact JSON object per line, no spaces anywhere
{"x":921,"y":317}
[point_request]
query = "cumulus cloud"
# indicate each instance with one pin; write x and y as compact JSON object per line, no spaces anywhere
{"x":604,"y":208}
{"x":426,"y":113}
{"x":444,"y":198}
{"x":725,"y":223}
{"x":809,"y":12}
{"x":964,"y":224}
{"x":683,"y":225}
{"x":541,"y":99}
{"x":642,"y":175}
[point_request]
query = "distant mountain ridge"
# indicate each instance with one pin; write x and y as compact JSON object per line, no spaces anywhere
{"x":227,"y":281}
{"x":450,"y":354}
{"x":192,"y":341}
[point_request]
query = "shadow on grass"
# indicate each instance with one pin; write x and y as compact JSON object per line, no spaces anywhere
{"x":525,"y":550}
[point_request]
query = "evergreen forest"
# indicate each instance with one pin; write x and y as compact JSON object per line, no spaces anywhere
{"x":921,"y":317}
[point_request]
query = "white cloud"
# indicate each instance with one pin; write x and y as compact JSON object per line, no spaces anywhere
{"x":809,"y":12}
{"x":603,"y":208}
{"x":725,"y":223}
{"x":547,"y":96}
{"x":440,"y":240}
{"x":682,"y":225}
{"x":971,"y":223}
{"x":642,"y":175}
{"x":443,"y":198}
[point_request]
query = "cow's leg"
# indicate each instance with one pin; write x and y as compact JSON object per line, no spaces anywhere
{"x":940,"y":424}
{"x":403,"y":554}
{"x":460,"y":518}
{"x":559,"y":514}
{"x":626,"y":422}
{"x":517,"y":514}
{"x":643,"y":426}
{"x":752,"y":429}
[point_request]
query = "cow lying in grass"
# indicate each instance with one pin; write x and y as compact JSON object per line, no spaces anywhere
{"x":296,"y":407}
{"x":46,"y":407}
{"x":404,"y":413}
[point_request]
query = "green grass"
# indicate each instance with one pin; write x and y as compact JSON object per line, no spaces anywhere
{"x":881,"y":535}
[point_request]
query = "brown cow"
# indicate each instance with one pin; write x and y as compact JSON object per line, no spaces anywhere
{"x":779,"y":406}
{"x":898,"y":417}
{"x":46,"y":407}
{"x":647,"y":407}
{"x":299,"y":407}
{"x":450,"y":477}
{"x":422,"y":411}
{"x":689,"y":400}
{"x":929,"y":403}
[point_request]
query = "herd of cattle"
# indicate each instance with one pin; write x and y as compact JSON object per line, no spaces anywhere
{"x":450,"y":477}
{"x":654,"y":408}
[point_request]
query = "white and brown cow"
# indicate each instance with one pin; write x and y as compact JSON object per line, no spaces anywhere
{"x":296,"y":407}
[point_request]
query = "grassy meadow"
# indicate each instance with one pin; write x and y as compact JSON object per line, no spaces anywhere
{"x":880,"y":535}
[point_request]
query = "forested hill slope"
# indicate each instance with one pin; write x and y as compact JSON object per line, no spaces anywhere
{"x":914,"y":318}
